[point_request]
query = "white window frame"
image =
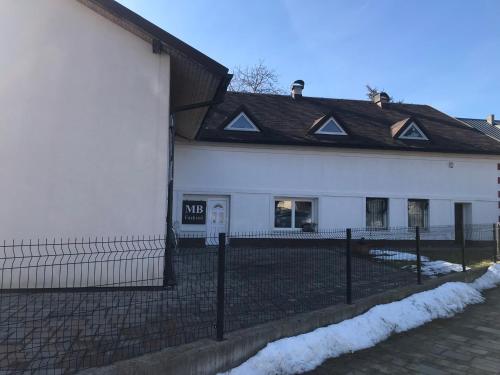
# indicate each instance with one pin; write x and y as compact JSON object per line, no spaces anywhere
{"x":255,"y":129}
{"x":293,"y":200}
{"x":412,"y":124}
{"x":325,"y":132}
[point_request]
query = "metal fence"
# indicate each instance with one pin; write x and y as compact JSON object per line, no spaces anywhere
{"x":70,"y":305}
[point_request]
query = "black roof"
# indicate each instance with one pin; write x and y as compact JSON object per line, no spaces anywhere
{"x":483,"y":126}
{"x":287,"y":121}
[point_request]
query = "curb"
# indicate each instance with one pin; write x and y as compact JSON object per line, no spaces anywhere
{"x":207,"y":356}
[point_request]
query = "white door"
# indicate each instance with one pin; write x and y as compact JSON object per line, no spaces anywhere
{"x":216,"y":220}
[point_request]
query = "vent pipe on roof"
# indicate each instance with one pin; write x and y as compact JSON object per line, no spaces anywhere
{"x":297,"y":87}
{"x":491,"y":119}
{"x":381,"y":99}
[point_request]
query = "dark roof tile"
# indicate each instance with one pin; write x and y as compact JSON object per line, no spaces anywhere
{"x":283,"y":120}
{"x":484,"y":127}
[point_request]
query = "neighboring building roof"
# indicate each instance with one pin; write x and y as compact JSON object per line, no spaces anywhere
{"x":287,"y":121}
{"x":195,"y":78}
{"x":483,"y":126}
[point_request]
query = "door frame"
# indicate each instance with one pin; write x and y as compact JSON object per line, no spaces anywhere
{"x":211,"y":240}
{"x":461,"y":220}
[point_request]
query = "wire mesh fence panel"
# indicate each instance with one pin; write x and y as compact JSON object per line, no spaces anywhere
{"x":70,"y":305}
{"x":118,"y":309}
{"x":82,"y":263}
{"x":274,"y":281}
{"x":480,"y":247}
{"x":383,"y":259}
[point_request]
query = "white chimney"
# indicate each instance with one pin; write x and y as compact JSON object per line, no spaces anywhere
{"x":491,"y":119}
{"x":381,"y":99}
{"x":297,"y":87}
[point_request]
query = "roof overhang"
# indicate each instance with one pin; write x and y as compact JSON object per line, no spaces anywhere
{"x":195,"y":78}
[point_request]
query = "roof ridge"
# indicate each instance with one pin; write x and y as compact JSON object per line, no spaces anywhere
{"x":316,"y":97}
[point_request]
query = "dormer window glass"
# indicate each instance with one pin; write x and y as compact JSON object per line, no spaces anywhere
{"x":242,"y":123}
{"x":413,"y":132}
{"x":331,"y":127}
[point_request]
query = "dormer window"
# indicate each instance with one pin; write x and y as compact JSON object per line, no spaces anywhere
{"x":331,"y":127}
{"x":242,"y":123}
{"x":412,"y":131}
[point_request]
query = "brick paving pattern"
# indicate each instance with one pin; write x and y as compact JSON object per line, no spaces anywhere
{"x":61,"y":332}
{"x":468,"y":343}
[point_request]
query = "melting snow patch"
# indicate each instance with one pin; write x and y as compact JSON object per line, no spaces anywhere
{"x":429,"y":267}
{"x":440,"y":267}
{"x":305,"y":352}
{"x":395,"y":255}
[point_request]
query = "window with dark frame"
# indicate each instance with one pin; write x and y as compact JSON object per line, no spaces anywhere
{"x":292,"y":213}
{"x":376,"y":213}
{"x":418,"y":213}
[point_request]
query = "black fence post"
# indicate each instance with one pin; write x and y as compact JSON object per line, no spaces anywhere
{"x":496,"y":236}
{"x":348,"y":265}
{"x":168,"y":267}
{"x":221,"y":270}
{"x":419,"y":260}
{"x":463,"y":249}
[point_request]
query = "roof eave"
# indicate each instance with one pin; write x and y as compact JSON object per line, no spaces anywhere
{"x":346,"y":146}
{"x":124,"y":14}
{"x":195,"y":77}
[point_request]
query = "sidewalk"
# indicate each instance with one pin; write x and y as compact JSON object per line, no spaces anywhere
{"x":468,"y":343}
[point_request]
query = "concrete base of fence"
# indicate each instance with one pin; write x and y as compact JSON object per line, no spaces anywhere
{"x":210,"y":357}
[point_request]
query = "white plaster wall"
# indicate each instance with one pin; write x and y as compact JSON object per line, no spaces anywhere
{"x":341,"y":212}
{"x":83,"y":124}
{"x":398,"y":212}
{"x":442,"y":212}
{"x":481,"y":209}
{"x":253,"y":206}
{"x":339,"y":179}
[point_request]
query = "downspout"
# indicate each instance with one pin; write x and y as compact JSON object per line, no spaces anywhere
{"x":168,"y":269}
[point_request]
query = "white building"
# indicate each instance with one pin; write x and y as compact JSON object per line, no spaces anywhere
{"x":86,"y":90}
{"x":87,"y":95}
{"x":274,"y":163}
{"x":491,"y":128}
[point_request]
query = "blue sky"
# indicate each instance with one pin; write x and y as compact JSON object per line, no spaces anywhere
{"x":444,"y":53}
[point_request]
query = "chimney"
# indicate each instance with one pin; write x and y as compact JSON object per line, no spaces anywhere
{"x":381,"y":99}
{"x":297,"y":87}
{"x":491,"y":119}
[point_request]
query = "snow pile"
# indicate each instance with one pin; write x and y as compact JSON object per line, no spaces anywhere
{"x":489,"y":280}
{"x":429,"y":267}
{"x":307,"y":351}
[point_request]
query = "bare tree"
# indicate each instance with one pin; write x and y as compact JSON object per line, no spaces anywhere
{"x":256,"y":79}
{"x":372,"y":91}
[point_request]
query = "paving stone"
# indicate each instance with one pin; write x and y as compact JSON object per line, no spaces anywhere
{"x":489,"y":330}
{"x":428,"y":370}
{"x":464,"y":344}
{"x":94,"y":328}
{"x":457,"y":356}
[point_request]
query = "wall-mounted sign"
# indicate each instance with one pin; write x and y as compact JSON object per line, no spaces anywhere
{"x":194,"y":212}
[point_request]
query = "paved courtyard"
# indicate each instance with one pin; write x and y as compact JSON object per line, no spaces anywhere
{"x":43,"y":332}
{"x":468,"y":343}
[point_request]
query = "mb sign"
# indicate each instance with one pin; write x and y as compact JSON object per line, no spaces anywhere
{"x":194,"y":212}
